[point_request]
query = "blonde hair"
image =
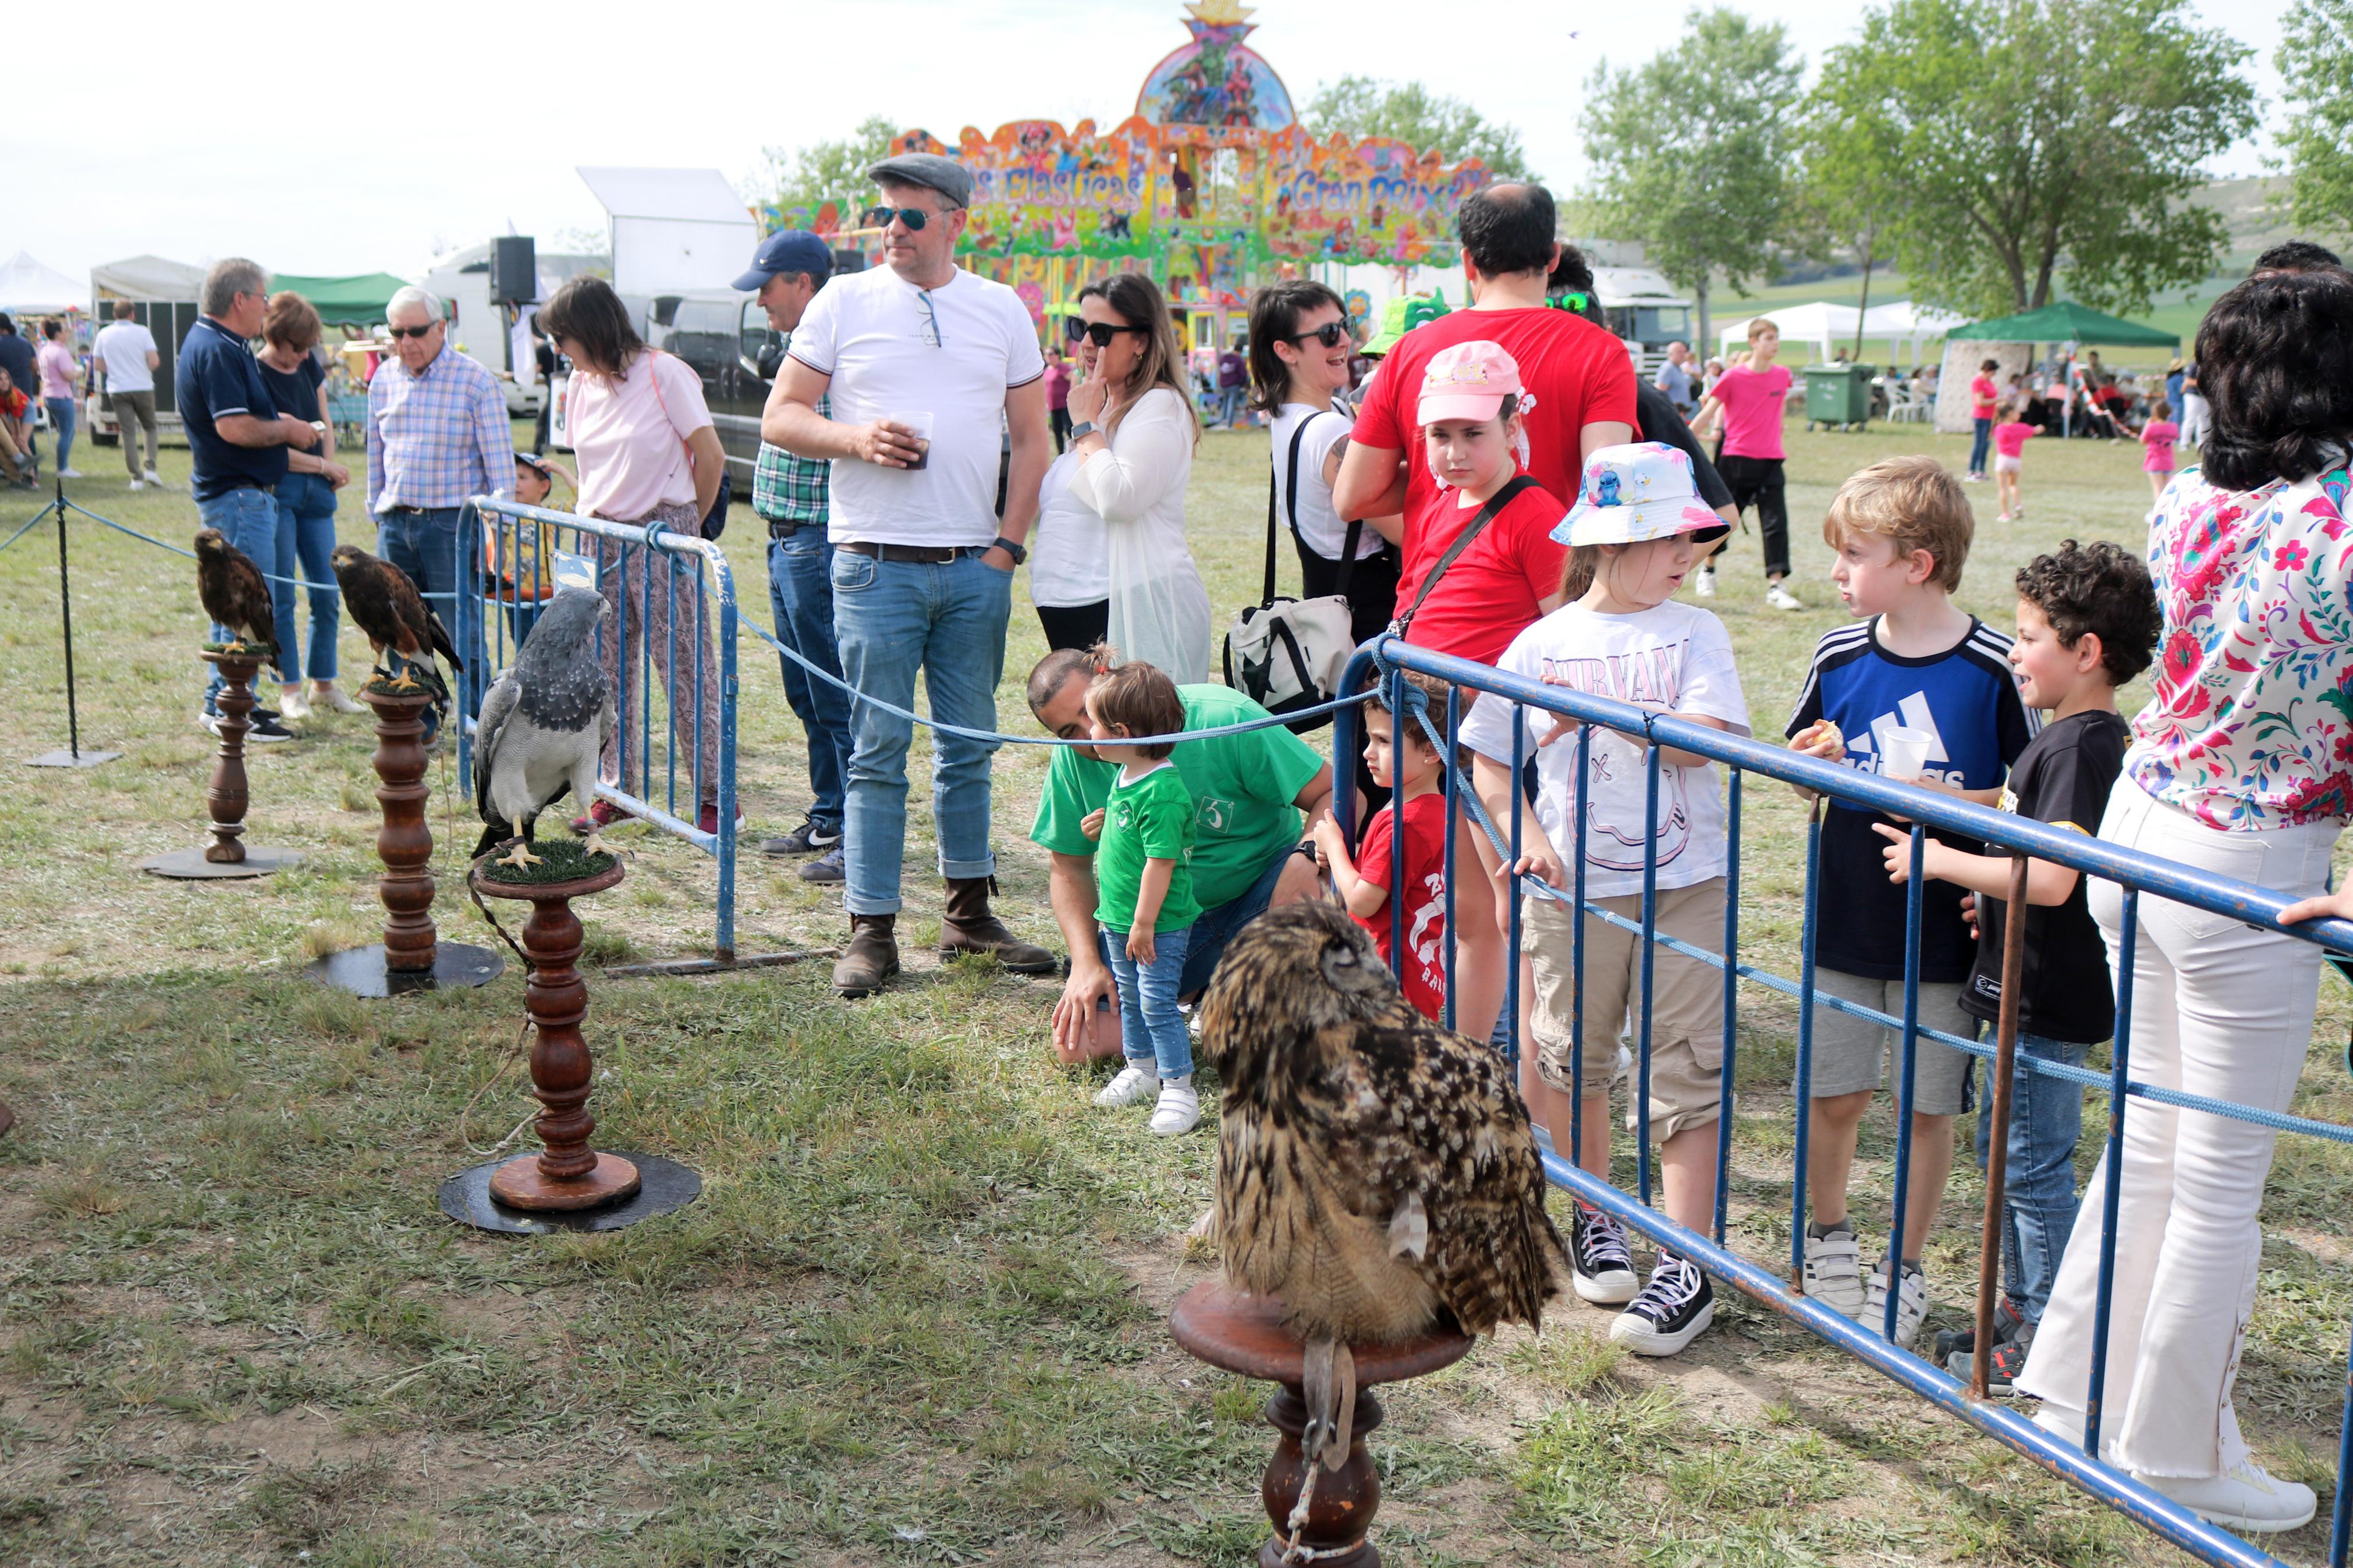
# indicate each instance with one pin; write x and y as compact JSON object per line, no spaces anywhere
{"x":1913,"y":503}
{"x":1763,"y":324}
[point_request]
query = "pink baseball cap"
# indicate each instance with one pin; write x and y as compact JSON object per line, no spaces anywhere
{"x":1467,"y":381}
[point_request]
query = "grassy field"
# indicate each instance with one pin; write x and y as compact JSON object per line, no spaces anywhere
{"x":917,"y":1315}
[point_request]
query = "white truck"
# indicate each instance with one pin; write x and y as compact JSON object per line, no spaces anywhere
{"x":1644,"y":310}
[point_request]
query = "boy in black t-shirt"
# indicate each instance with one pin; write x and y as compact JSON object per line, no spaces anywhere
{"x":2087,"y":623}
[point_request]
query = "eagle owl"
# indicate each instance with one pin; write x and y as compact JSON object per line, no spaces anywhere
{"x":1377,"y":1173}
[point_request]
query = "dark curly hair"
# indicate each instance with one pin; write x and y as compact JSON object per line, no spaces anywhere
{"x":1507,"y":227}
{"x":2275,"y":363}
{"x":2296,"y":256}
{"x":2103,"y":589}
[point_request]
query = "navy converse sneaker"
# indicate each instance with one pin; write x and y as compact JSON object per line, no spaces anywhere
{"x":1669,"y":1312}
{"x":1603,"y":1270}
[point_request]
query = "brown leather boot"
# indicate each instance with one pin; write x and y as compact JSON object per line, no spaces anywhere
{"x":966,"y":926}
{"x":871,"y":958}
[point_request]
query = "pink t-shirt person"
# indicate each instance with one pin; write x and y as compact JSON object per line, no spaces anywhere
{"x":1752,"y":410}
{"x":629,"y":434}
{"x":1058,"y":384}
{"x":2156,"y":439}
{"x":1982,"y":393}
{"x":2010,"y":440}
{"x":59,"y":369}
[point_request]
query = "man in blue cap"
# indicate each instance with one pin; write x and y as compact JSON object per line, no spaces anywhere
{"x":789,"y":493}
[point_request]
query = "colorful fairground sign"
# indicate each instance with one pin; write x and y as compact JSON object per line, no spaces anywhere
{"x":1211,"y":183}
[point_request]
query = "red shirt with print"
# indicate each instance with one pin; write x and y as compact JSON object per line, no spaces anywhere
{"x":1576,"y":374}
{"x":1492,"y":592}
{"x":1423,"y":971}
{"x":13,"y":403}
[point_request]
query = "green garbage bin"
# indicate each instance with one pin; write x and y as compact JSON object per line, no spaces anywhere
{"x":1838,"y":394}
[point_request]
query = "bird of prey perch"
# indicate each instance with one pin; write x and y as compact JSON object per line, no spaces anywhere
{"x":544,"y":724}
{"x":1376,"y":1174}
{"x":384,"y":602}
{"x":234,"y":592}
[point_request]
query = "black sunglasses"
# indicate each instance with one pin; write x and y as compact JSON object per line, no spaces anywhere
{"x":914,"y":218}
{"x":1101,"y":333}
{"x":1331,"y":334}
{"x":399,"y":332}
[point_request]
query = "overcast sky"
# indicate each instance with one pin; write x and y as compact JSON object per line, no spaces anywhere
{"x":399,"y":131}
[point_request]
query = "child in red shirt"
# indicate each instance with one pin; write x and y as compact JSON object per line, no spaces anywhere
{"x":1363,"y":880}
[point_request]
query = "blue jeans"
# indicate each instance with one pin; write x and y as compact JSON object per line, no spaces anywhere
{"x":1147,"y":1000}
{"x":62,"y":418}
{"x":1205,"y":942}
{"x":2039,"y":1203}
{"x":1978,"y":444}
{"x":892,"y":619}
{"x":306,"y":534}
{"x":248,"y":519}
{"x":425,"y":545}
{"x":800,"y":592}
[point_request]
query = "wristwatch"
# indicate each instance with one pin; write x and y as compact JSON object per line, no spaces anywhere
{"x":1017,"y":551}
{"x":1084,"y":428}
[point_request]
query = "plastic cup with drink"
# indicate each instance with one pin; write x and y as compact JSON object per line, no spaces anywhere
{"x":921,"y":424}
{"x":1904,"y":752}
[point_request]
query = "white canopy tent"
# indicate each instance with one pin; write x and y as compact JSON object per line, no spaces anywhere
{"x":1827,"y":327}
{"x":146,"y":277}
{"x":673,"y":229}
{"x":27,"y":288}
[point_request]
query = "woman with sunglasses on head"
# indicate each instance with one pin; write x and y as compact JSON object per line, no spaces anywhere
{"x":1299,"y":353}
{"x":1133,"y":431}
{"x":1069,"y":566}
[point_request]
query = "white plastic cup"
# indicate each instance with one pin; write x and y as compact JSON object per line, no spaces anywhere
{"x":1903,"y":754}
{"x":921,"y":424}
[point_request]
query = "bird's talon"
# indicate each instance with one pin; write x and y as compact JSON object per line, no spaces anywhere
{"x":594,"y":845}
{"x":522,"y":856}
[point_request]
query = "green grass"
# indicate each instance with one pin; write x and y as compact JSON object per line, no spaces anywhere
{"x":917,"y":1315}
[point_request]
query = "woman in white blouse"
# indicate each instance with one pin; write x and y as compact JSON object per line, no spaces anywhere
{"x":1069,"y":575}
{"x":1134,"y":431}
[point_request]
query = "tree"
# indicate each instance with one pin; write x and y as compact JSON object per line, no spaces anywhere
{"x":1690,"y":150}
{"x":1845,"y":199}
{"x":824,"y":172}
{"x":2316,"y":64}
{"x":1359,"y":106}
{"x":2014,"y":139}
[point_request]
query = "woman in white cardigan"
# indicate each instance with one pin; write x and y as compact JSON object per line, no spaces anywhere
{"x":1134,"y":431}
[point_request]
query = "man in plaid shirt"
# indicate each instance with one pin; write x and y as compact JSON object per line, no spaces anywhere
{"x":787,"y":271}
{"x":436,"y":435}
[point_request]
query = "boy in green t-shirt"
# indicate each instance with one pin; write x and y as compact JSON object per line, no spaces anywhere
{"x":1144,"y":889}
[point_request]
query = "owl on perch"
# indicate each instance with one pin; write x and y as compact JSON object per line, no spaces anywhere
{"x":1376,"y":1174}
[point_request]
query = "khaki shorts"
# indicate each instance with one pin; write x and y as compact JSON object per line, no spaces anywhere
{"x":1687,"y":996}
{"x":1851,"y":1053}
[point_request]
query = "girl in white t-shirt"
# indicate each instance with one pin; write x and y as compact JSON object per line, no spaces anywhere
{"x":1299,"y":352}
{"x":1638,"y":529}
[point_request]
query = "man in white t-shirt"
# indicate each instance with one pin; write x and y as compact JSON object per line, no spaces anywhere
{"x":125,"y":359}
{"x":926,"y":367}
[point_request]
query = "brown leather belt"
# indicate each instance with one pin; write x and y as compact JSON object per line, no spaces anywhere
{"x":909,"y":554}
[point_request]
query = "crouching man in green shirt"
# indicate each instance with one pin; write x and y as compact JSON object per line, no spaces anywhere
{"x":1256,"y":798}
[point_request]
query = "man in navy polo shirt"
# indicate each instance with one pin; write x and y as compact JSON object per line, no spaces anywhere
{"x":237,"y":437}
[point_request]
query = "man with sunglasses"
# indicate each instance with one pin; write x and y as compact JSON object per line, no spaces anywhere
{"x":438,"y":434}
{"x":236,"y":440}
{"x":927,"y":367}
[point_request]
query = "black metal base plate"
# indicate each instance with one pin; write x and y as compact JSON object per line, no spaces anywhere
{"x":190,"y":865}
{"x":664,"y":1186}
{"x":71,"y":759}
{"x":361,"y":971}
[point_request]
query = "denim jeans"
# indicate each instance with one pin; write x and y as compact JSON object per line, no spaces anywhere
{"x":248,"y":519}
{"x":1147,"y":1000}
{"x":61,"y":419}
{"x":892,"y":619}
{"x":1977,"y":443}
{"x":306,"y":535}
{"x":425,"y":545}
{"x":800,"y":592}
{"x":1205,"y":944}
{"x":2038,"y":1202}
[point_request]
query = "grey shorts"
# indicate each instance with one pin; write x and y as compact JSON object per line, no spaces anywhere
{"x":1854,"y":1054}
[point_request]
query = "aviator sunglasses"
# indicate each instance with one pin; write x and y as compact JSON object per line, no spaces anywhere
{"x":914,"y":218}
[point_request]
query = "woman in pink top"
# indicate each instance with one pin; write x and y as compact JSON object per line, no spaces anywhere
{"x":1746,"y":405}
{"x":649,"y":456}
{"x":59,"y":371}
{"x":2156,"y":439}
{"x":1983,"y":394}
{"x":2010,"y":439}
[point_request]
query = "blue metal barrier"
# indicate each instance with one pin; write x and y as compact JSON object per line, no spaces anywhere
{"x":672,"y":595}
{"x":1388,"y":658}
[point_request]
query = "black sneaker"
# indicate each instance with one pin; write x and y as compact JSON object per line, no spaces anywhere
{"x":1603,"y":1270}
{"x":826,"y":867}
{"x":267,"y":731}
{"x":1669,"y":1312}
{"x":2009,"y":1359}
{"x":2007,"y":1322}
{"x":811,"y":837}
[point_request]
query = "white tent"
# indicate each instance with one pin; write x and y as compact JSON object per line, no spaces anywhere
{"x":673,"y":229}
{"x":26,"y":285}
{"x":1821,"y":325}
{"x":147,"y":278}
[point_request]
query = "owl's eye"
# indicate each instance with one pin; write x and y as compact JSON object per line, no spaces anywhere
{"x":1345,"y":956}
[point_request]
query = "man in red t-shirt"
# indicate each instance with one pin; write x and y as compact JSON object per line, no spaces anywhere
{"x":1579,"y":381}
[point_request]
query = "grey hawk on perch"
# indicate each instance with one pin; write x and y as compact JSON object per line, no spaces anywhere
{"x":544,"y":724}
{"x":233,"y":591}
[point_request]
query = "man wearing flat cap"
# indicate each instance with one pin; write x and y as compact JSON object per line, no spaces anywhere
{"x":923,"y":366}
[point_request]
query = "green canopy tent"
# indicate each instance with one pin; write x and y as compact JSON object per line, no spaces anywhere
{"x":2067,"y":322}
{"x":355,"y":299}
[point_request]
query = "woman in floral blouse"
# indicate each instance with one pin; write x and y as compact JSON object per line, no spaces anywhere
{"x":2241,"y":765}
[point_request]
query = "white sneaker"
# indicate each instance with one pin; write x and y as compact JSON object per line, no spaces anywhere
{"x":1911,"y":1306}
{"x":1179,"y":1111}
{"x":2245,"y":1497}
{"x":292,"y":703}
{"x":1136,"y":1081}
{"x":1833,"y":1272}
{"x":1704,"y":583}
{"x":137,"y":486}
{"x":1780,"y":598}
{"x":2065,"y":1422}
{"x":155,"y":479}
{"x":336,"y":698}
{"x":71,"y":474}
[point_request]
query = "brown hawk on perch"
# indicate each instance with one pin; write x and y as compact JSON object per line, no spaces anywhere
{"x":1375,"y":1173}
{"x":384,"y":602}
{"x":233,"y":591}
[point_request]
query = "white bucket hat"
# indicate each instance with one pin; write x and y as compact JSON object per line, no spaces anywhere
{"x":1640,"y":490}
